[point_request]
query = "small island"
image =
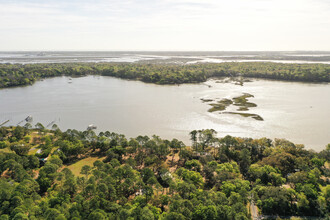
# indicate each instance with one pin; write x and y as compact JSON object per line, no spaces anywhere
{"x":240,"y":101}
{"x":254,"y":116}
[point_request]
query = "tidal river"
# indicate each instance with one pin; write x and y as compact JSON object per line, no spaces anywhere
{"x":299,"y":112}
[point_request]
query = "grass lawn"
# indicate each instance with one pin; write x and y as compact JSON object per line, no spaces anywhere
{"x":76,"y":167}
{"x":33,"y":151}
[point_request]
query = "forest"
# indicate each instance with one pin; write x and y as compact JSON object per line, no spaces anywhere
{"x":19,"y":74}
{"x":50,"y":174}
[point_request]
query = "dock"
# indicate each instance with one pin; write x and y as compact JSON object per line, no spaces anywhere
{"x":51,"y":123}
{"x":4,"y":123}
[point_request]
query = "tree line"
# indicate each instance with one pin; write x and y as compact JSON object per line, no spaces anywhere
{"x":19,"y":74}
{"x":152,"y":178}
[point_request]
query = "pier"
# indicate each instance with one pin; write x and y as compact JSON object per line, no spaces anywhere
{"x":4,"y":123}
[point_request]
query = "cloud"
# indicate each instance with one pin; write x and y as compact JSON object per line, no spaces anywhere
{"x":164,"y":24}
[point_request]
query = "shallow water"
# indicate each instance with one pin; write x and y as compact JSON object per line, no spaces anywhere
{"x":178,"y":57}
{"x":298,"y":112}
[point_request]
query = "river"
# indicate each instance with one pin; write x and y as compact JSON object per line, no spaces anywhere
{"x":299,"y":112}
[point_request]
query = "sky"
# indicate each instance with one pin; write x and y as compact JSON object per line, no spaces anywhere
{"x":169,"y":25}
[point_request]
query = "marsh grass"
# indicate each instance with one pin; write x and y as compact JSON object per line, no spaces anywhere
{"x":207,"y":100}
{"x":254,"y":116}
{"x":220,"y":105}
{"x":240,"y":101}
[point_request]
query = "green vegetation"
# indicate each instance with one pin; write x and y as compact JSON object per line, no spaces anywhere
{"x":106,"y":176}
{"x":78,"y":165}
{"x":236,"y":80}
{"x":207,"y":100}
{"x":254,"y":116}
{"x":220,"y":105}
{"x":240,"y":101}
{"x":243,"y":103}
{"x":18,"y":74}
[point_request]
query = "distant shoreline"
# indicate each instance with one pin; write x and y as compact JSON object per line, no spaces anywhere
{"x":165,"y":74}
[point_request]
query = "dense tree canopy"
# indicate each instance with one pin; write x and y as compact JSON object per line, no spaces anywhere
{"x":152,"y":178}
{"x":18,"y":74}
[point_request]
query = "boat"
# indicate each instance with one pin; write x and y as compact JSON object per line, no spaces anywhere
{"x":91,"y":127}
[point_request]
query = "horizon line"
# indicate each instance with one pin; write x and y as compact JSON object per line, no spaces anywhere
{"x":164,"y":50}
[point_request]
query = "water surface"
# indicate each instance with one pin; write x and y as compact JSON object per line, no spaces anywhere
{"x":178,"y":57}
{"x":298,"y":112}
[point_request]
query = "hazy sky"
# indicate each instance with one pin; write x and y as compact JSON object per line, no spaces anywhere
{"x":165,"y":25}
